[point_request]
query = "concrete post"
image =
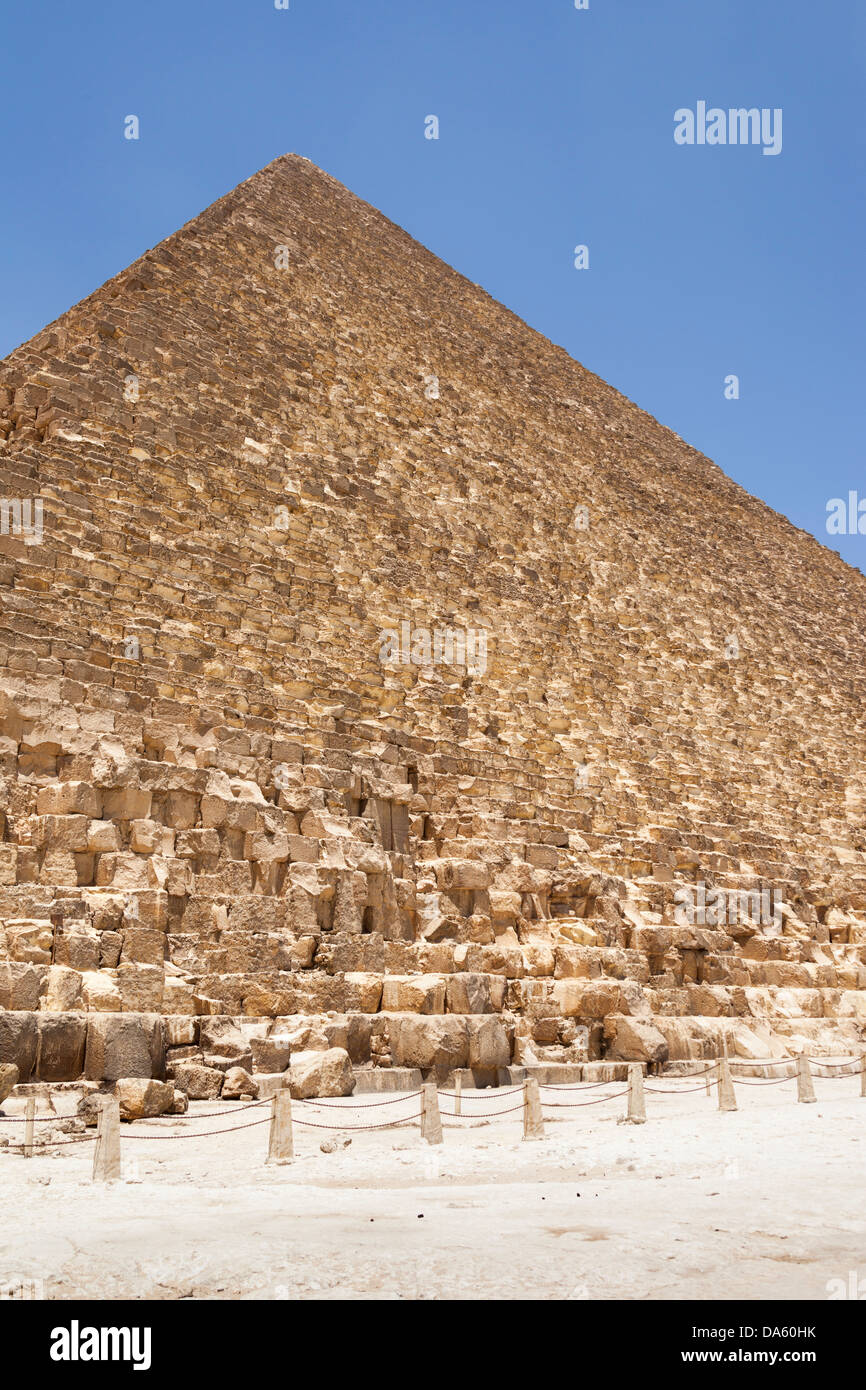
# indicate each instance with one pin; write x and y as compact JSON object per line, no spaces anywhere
{"x":709,"y":1078}
{"x":458,"y":1093}
{"x":636,"y":1100}
{"x":106,"y":1156}
{"x":281,"y":1146}
{"x":29,"y":1117}
{"x":727,"y":1098}
{"x":805,"y":1088}
{"x":533,"y":1116}
{"x":431,"y":1124}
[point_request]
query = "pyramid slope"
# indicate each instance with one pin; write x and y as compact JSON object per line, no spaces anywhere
{"x":244,"y":470}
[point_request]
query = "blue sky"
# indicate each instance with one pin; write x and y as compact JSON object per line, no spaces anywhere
{"x":556,"y":129}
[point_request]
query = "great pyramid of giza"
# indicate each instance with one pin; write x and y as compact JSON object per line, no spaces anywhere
{"x":374,"y":677}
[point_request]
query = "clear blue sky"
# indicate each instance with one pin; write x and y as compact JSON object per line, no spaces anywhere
{"x":556,"y":129}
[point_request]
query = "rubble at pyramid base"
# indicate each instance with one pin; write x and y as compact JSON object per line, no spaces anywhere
{"x":163,"y":919}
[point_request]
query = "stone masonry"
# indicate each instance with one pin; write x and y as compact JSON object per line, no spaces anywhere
{"x":230,"y":828}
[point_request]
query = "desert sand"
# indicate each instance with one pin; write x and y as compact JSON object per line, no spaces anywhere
{"x":763,"y":1203}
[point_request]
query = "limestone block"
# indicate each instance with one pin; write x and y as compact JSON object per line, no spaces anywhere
{"x":29,"y":940}
{"x":59,"y":868}
{"x":190,"y":844}
{"x":61,"y":1044}
{"x":122,"y":872}
{"x":438,"y":918}
{"x":429,"y":1041}
{"x":142,"y":1099}
{"x":237,"y":1083}
{"x":145,"y":836}
{"x":102,"y":837}
{"x":489,"y":1046}
{"x":141,"y":987}
{"x":266,"y":849}
{"x":590,"y":1000}
{"x":178,"y":996}
{"x":468,"y":993}
{"x":181,"y":810}
{"x":61,"y":832}
{"x":363,"y":991}
{"x":19,"y":1041}
{"x":633,"y":1040}
{"x":21,"y":985}
{"x":462,"y":875}
{"x":214,"y":810}
{"x":539,"y":960}
{"x":542,"y":856}
{"x":8,"y":865}
{"x":198,"y":1082}
{"x":8,"y":1079}
{"x":327,"y":1073}
{"x":100,"y":992}
{"x":78,"y":949}
{"x":69,"y":798}
{"x":581,"y":933}
{"x":150,"y":909}
{"x":852,"y":1004}
{"x":180,"y":1031}
{"x":303,"y":850}
{"x":270,"y":995}
{"x":504,"y":907}
{"x":126,"y":804}
{"x":270,"y":1054}
{"x":223,"y":1036}
{"x":422,"y":994}
{"x":63,"y":991}
{"x":124,"y":1045}
{"x":143,"y":946}
{"x":110,"y":945}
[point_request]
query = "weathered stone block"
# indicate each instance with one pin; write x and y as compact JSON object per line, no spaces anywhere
{"x":419,"y":1041}
{"x":124,"y":1045}
{"x":19,"y":1042}
{"x":61,"y":1045}
{"x":633,"y":1040}
{"x":421,"y":994}
{"x":198,"y":1082}
{"x":326,"y":1073}
{"x":141,"y":1099}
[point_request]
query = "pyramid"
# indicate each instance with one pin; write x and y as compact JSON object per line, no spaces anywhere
{"x":374,"y":677}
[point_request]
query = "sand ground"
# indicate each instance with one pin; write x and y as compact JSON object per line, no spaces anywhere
{"x":767,"y":1202}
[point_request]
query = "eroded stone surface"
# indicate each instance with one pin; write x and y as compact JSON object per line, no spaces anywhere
{"x":227,"y":825}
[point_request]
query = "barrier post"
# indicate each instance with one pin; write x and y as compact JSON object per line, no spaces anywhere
{"x":727,"y":1097}
{"x":533,"y":1116}
{"x":431,"y":1123}
{"x":458,"y":1093}
{"x":636,"y":1100}
{"x":106,"y":1155}
{"x":863,"y":1072}
{"x":280,"y":1145}
{"x":29,"y":1117}
{"x":805,"y":1088}
{"x":707,"y":1077}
